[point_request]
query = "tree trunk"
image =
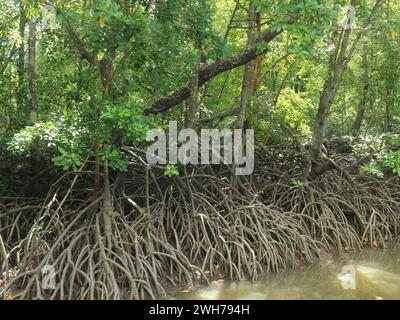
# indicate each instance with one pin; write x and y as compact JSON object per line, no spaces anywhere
{"x":106,"y":72}
{"x":259,"y":59}
{"x":107,"y":76}
{"x":193,"y":107}
{"x":363,"y":102}
{"x":336,"y":68}
{"x":21,"y":63}
{"x":32,"y":70}
{"x":387,"y":124}
{"x":338,"y":63}
{"x":5,"y":63}
{"x":249,"y":68}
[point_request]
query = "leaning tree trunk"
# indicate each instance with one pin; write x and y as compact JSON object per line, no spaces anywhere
{"x":363,"y":102}
{"x":32,"y":70}
{"x":338,"y":63}
{"x":331,"y":86}
{"x":249,"y":68}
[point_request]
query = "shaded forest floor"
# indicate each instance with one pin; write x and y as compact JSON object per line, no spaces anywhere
{"x":151,"y":232}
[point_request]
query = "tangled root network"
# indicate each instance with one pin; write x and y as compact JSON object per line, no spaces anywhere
{"x":152,"y":232}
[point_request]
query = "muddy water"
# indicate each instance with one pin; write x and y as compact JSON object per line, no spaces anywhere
{"x":377,"y":277}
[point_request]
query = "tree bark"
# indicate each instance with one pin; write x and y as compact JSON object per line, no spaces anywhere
{"x":387,"y":102}
{"x":259,"y":59}
{"x":32,"y":70}
{"x":7,"y":60}
{"x":107,"y":76}
{"x":249,"y":68}
{"x":21,"y":62}
{"x":193,"y":107}
{"x":363,"y":102}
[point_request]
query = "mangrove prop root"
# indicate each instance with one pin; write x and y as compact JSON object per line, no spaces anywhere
{"x":148,"y":233}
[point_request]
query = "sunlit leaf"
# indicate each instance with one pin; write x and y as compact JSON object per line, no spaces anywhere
{"x":102,"y":21}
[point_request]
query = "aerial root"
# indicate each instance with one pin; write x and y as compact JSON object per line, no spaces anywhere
{"x":161,"y":233}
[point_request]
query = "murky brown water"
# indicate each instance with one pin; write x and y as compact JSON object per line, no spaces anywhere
{"x":377,"y":276}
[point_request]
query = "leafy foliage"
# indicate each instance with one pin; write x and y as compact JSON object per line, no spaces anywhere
{"x":153,"y":49}
{"x":171,"y":170}
{"x":387,"y":159}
